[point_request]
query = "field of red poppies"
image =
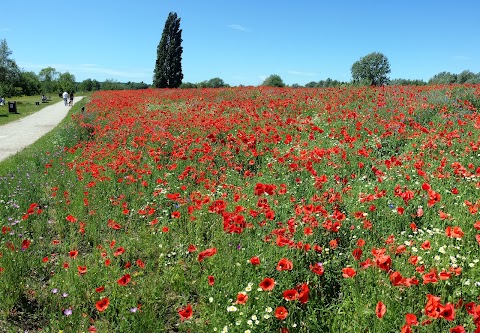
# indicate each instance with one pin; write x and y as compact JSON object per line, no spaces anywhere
{"x":249,"y":209}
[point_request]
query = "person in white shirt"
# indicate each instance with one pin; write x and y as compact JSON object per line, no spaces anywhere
{"x":65,"y":97}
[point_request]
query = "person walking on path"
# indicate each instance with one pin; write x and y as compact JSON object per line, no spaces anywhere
{"x":23,"y":132}
{"x":65,"y":97}
{"x":71,"y":99}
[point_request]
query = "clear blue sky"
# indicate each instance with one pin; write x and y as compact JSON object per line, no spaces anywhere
{"x":244,"y":41}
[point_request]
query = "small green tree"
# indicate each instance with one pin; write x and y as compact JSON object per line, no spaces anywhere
{"x":273,"y":80}
{"x":86,"y":85}
{"x":66,"y":82}
{"x":371,"y":69}
{"x":111,"y":84}
{"x":168,"y":67}
{"x":188,"y":85}
{"x":30,"y":83}
{"x":9,"y":71}
{"x":49,"y":79}
{"x":216,"y":82}
{"x":443,"y":78}
{"x":465,"y":76}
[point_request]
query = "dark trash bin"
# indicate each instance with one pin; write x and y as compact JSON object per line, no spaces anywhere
{"x":12,"y":107}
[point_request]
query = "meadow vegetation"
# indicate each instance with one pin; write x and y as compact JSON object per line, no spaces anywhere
{"x":252,"y":209}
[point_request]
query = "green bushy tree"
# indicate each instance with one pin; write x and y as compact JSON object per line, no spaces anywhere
{"x":30,"y":83}
{"x":443,"y":78}
{"x":273,"y":80}
{"x":49,"y":79}
{"x":372,"y":69}
{"x":66,"y":82}
{"x":9,"y":71}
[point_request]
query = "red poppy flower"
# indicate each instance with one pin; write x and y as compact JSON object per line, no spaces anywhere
{"x":102,"y":304}
{"x":411,"y":319}
{"x":124,"y":280}
{"x":303,"y":293}
{"x":396,"y":278}
{"x":192,"y":248}
{"x":458,"y":329}
{"x":140,"y":263}
{"x":73,"y":254}
{"x":448,"y":312}
{"x":380,"y":309}
{"x":26,"y":244}
{"x":290,"y":294}
{"x":425,"y":245}
{"x":185,"y":313}
{"x":348,"y":272}
{"x":317,"y":268}
{"x":267,"y":284}
{"x":255,"y":261}
{"x":242,"y":298}
{"x":114,"y":225}
{"x":207,"y":253}
{"x":357,"y":253}
{"x":82,"y":270}
{"x":430,"y":277}
{"x":454,"y":232}
{"x":71,"y":218}
{"x":281,"y":313}
{"x":406,"y":329}
{"x":307,"y":231}
{"x":100,"y":289}
{"x":119,"y":251}
{"x":211,"y":280}
{"x":333,"y":244}
{"x":284,"y":265}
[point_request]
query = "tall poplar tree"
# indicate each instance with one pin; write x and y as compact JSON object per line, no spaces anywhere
{"x":168,"y":67}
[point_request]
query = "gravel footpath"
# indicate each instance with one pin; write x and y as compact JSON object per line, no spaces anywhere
{"x":21,"y":133}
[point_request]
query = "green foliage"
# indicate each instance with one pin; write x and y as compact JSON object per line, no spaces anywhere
{"x":136,"y":85}
{"x":273,"y":80}
{"x":168,"y":66}
{"x":30,"y":83}
{"x":443,"y":78}
{"x":90,"y":85}
{"x":406,"y":82}
{"x":371,"y":69}
{"x":328,"y":83}
{"x":188,"y":85}
{"x":9,"y":71}
{"x":49,"y":78}
{"x":66,"y":82}
{"x":465,"y":76}
{"x":111,"y":85}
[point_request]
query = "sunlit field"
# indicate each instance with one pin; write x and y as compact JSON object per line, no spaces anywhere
{"x":249,"y":210}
